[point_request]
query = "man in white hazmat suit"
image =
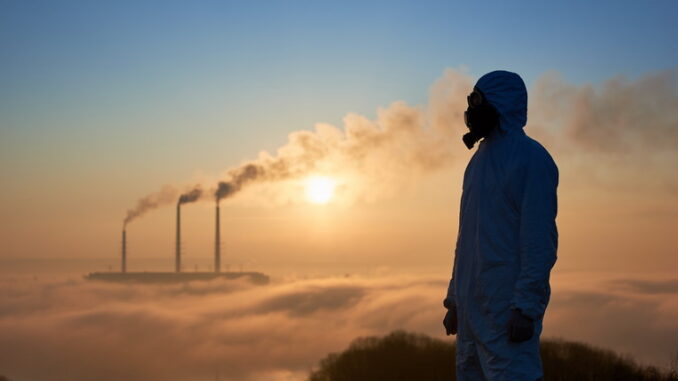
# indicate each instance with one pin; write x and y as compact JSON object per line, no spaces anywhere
{"x":507,"y":240}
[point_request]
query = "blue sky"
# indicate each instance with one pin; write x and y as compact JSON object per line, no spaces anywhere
{"x":160,"y":89}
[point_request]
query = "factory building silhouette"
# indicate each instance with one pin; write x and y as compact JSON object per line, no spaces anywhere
{"x":178,"y":275}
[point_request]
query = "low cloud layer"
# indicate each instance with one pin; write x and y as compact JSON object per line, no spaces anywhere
{"x":81,"y":330}
{"x":635,"y":316}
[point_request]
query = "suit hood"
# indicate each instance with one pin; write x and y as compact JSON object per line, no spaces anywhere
{"x":506,"y":91}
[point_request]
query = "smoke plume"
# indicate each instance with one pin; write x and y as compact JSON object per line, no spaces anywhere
{"x":152,"y":201}
{"x":620,"y":116}
{"x":393,"y":149}
{"x":384,"y":153}
{"x":239,"y":177}
{"x":190,"y":196}
{"x":165,"y":196}
{"x":403,"y":142}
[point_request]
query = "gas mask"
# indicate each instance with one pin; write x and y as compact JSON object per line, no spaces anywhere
{"x":480,"y":118}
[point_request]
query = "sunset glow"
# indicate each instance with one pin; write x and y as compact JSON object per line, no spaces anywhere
{"x":320,"y":189}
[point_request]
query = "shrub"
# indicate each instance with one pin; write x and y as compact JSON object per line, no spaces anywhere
{"x":408,"y":356}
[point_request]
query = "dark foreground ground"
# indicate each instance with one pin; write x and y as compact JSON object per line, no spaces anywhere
{"x":407,"y":356}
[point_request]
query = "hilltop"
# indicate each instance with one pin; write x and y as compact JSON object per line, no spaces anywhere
{"x":408,"y":356}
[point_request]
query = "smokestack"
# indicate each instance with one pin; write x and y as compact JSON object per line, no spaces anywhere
{"x":217,"y":243}
{"x":191,"y":196}
{"x":123,"y":267}
{"x":178,"y":247}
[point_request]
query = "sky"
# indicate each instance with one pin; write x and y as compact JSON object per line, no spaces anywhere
{"x":105,"y":103}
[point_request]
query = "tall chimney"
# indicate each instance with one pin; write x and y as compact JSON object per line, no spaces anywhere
{"x":217,"y":243}
{"x":123,"y":267}
{"x":178,"y":247}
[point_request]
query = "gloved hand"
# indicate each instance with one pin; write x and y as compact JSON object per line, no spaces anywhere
{"x":520,"y":327}
{"x":450,"y":320}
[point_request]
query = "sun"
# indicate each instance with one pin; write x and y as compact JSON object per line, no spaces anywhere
{"x":320,"y":189}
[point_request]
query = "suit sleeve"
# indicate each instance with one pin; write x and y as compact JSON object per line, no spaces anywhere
{"x":538,"y":207}
{"x":450,"y":299}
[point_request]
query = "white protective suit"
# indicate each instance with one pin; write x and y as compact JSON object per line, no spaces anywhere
{"x":507,"y":241}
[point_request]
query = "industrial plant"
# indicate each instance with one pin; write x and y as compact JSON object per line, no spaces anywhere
{"x":178,"y":275}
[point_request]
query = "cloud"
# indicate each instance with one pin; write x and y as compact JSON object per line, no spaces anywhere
{"x":635,"y":316}
{"x":669,"y":286}
{"x":81,"y":330}
{"x":88,"y":330}
{"x":306,"y":302}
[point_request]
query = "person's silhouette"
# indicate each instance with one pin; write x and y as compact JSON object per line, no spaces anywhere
{"x":507,"y":239}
